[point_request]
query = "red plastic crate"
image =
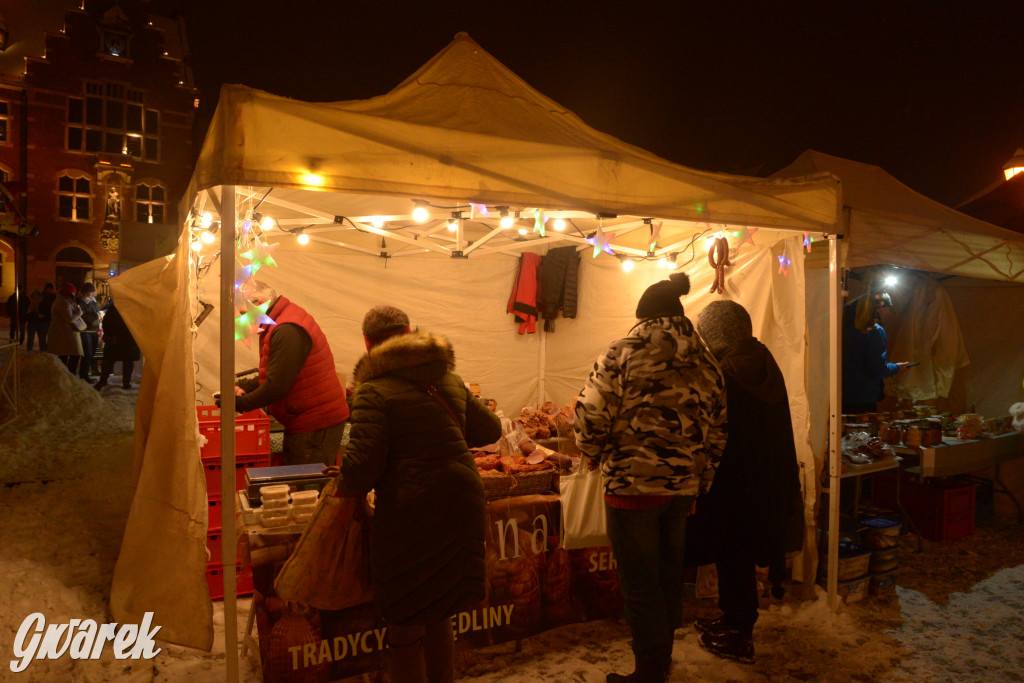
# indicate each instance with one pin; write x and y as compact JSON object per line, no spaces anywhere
{"x":942,"y":509}
{"x":215,"y":581}
{"x":213,"y":508}
{"x":252,"y":432}
{"x":212,"y":470}
{"x":213,"y":543}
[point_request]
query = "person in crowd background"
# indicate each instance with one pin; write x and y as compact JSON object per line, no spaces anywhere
{"x":90,"y":335}
{"x":413,"y":423}
{"x":17,"y":311}
{"x":62,"y":338}
{"x":297,"y":383}
{"x":44,"y":312}
{"x":118,"y":346}
{"x":865,"y":356}
{"x":652,"y":415}
{"x":34,"y":326}
{"x":754,"y":510}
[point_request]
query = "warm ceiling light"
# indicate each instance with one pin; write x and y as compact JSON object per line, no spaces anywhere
{"x":627,"y":265}
{"x":206,"y":221}
{"x":314,"y":179}
{"x":1015,"y":165}
{"x":267,"y":223}
{"x":559,"y":224}
{"x":377,"y":222}
{"x":206,"y":236}
{"x":506,"y":220}
{"x":421,"y":214}
{"x":196,"y":245}
{"x":303,"y":238}
{"x":523,"y":231}
{"x":453,"y":222}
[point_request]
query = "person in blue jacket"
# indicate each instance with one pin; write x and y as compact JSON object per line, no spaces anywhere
{"x":865,"y":361}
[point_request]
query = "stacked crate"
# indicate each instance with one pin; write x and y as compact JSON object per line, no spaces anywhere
{"x":882,"y":536}
{"x":252,"y":449}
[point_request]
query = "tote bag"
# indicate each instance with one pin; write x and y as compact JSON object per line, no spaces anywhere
{"x":330,"y":566}
{"x":584,"y":520}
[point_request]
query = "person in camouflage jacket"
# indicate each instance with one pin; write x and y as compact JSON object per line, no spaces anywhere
{"x":652,"y":417}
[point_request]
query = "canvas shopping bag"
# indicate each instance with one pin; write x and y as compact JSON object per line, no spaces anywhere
{"x":584,"y":520}
{"x":330,"y":566}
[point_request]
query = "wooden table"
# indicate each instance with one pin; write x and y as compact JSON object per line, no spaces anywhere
{"x":962,"y":457}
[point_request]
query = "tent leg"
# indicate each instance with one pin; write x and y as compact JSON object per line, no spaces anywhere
{"x":834,"y":406}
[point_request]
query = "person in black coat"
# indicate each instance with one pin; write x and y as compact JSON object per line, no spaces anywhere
{"x":118,"y":345}
{"x":754,"y":508}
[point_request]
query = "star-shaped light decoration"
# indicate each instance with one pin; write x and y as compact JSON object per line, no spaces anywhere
{"x":655,"y":234}
{"x":602,"y":242}
{"x":807,"y":241}
{"x":260,"y":254}
{"x":475,"y":209}
{"x":538,"y":221}
{"x":704,"y":212}
{"x":248,"y":324}
{"x":785,"y":262}
{"x":243,"y":275}
{"x":744,"y":235}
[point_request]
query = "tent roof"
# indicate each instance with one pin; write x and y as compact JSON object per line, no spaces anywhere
{"x":1003,"y":205}
{"x":891,"y":223}
{"x":463,"y":129}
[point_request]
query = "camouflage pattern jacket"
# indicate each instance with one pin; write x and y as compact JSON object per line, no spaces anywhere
{"x":652,"y":412}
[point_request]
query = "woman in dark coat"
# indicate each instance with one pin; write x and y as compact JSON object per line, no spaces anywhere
{"x":412,"y":448}
{"x":118,"y":345}
{"x":754,"y":506}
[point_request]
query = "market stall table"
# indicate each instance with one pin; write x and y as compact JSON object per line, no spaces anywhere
{"x":954,"y":457}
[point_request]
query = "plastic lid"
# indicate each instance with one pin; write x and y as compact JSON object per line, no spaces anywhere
{"x":880,"y":522}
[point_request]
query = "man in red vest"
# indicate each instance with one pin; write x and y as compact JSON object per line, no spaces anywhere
{"x":298,"y":383}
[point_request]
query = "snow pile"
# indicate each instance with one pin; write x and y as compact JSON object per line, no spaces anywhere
{"x":60,"y":418}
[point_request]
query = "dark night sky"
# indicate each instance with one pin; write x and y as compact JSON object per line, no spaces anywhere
{"x":931,"y":91}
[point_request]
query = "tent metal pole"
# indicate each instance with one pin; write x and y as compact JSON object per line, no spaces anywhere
{"x":227,"y":426}
{"x":835,"y":317}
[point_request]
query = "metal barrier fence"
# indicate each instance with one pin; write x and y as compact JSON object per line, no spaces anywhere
{"x":8,"y":382}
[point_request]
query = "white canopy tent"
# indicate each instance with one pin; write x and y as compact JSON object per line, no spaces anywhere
{"x":461,"y":131}
{"x":884,"y":222}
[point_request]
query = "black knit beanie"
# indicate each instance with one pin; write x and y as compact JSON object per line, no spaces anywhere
{"x":381,"y":322}
{"x":722,"y":324}
{"x":662,"y":298}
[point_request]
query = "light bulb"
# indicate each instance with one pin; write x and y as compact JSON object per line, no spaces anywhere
{"x":627,"y":265}
{"x":506,"y":222}
{"x":206,"y":236}
{"x":420,"y":214}
{"x":267,"y":223}
{"x":559,"y":224}
{"x":196,"y":245}
{"x":453,"y":224}
{"x":207,"y":220}
{"x":663,"y":262}
{"x":303,"y":238}
{"x":891,"y":280}
{"x":523,"y":231}
{"x":377,"y":222}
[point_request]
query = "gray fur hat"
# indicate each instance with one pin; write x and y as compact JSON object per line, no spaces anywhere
{"x":381,"y":322}
{"x":722,"y":324}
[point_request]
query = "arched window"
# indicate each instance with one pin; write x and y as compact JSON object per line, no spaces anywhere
{"x":150,"y":202}
{"x":74,"y":195}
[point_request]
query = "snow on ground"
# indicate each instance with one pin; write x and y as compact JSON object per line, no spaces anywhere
{"x":60,"y":533}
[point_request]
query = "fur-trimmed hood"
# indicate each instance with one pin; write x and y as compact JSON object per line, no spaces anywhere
{"x":419,"y":355}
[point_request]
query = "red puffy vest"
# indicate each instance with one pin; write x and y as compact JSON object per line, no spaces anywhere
{"x":317,"y":399}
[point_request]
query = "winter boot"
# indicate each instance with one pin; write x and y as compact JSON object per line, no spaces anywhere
{"x":649,"y":669}
{"x":713,"y":626}
{"x":731,"y":644}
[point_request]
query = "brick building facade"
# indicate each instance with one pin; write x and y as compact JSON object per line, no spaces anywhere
{"x":96,"y":128}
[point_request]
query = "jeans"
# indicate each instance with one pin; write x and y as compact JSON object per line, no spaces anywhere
{"x":648,"y":546}
{"x":37,"y":328}
{"x":319,"y":446}
{"x":90,"y":340}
